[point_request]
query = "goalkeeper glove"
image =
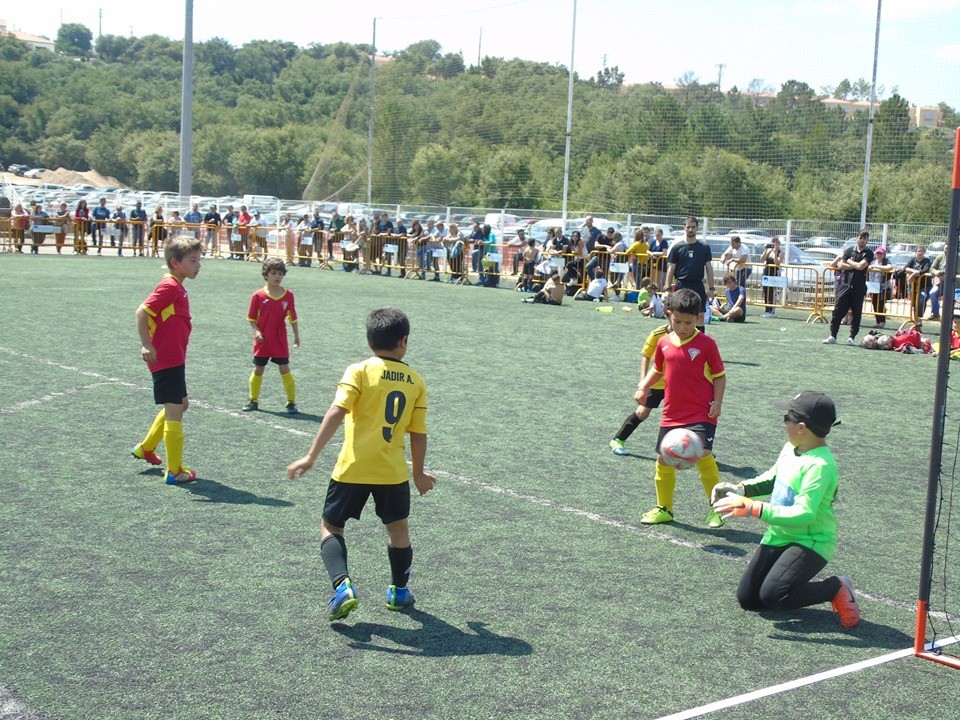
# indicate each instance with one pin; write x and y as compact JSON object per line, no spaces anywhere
{"x":738,"y":506}
{"x":722,"y":489}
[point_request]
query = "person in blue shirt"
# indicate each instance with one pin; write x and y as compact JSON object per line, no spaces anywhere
{"x":138,"y":221}
{"x":100,"y":214}
{"x":193,"y":217}
{"x":735,"y":308}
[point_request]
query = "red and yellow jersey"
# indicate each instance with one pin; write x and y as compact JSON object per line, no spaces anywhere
{"x":650,"y":348}
{"x":271,"y":315}
{"x":689,"y":368}
{"x":168,"y":311}
{"x":385,"y":399}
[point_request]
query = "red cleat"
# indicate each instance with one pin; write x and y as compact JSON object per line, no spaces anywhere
{"x":149,"y":455}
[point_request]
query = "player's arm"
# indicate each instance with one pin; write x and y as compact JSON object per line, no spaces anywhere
{"x":709,"y":275}
{"x":650,"y":379}
{"x":423,"y":480}
{"x":719,"y":388}
{"x":257,"y":335}
{"x":296,"y":333}
{"x":147,"y":351}
{"x":328,"y":427}
{"x":668,"y":283}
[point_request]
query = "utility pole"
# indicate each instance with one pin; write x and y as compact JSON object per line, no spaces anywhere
{"x":186,"y":106}
{"x":720,"y":67}
{"x":100,"y":25}
{"x":479,"y":45}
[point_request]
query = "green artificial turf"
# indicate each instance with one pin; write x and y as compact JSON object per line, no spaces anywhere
{"x":539,"y":594}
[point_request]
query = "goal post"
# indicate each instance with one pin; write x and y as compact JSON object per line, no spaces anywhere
{"x":939,"y":506}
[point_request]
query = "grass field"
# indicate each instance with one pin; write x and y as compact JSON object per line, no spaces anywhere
{"x":539,"y":593}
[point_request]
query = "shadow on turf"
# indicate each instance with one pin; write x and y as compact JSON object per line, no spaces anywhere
{"x":819,"y":627}
{"x":299,"y":416}
{"x":436,"y":638}
{"x":214,"y":492}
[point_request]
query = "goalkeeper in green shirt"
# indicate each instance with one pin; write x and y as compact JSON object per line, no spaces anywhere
{"x":801,"y":536}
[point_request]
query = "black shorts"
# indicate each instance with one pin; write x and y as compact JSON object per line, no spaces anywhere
{"x":262,"y":361}
{"x":654,"y":398}
{"x":346,"y":500}
{"x":705,"y":431}
{"x":170,"y":385}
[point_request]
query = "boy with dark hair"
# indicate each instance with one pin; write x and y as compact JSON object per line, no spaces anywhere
{"x":801,"y":536}
{"x":163,"y":321}
{"x":689,"y":363}
{"x":735,"y":308}
{"x":270,"y":309}
{"x":379,"y":400}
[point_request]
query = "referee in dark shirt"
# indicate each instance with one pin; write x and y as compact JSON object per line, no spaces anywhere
{"x":687,"y":262}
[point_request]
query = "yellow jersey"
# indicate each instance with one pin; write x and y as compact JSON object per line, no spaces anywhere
{"x":650,"y":349}
{"x":385,"y":399}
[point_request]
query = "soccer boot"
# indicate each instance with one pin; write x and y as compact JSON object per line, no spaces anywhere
{"x":399,"y":598}
{"x":181,"y":476}
{"x":656,"y":516}
{"x":714,"y":520}
{"x":251,"y":405}
{"x":617,"y":447}
{"x":292,"y":409}
{"x":343,"y":602}
{"x":845,"y":603}
{"x":149,"y":455}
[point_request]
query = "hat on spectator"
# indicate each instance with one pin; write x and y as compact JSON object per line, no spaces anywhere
{"x":880,"y":251}
{"x":815,"y":409}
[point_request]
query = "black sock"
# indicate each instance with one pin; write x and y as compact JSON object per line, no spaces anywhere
{"x":629,"y":425}
{"x":333,"y":550}
{"x":401,"y":560}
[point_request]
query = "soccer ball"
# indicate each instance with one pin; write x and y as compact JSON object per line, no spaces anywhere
{"x":870,"y":342}
{"x":885,"y":342}
{"x":681,"y":448}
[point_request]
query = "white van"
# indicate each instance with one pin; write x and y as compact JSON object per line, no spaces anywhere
{"x":263,"y":203}
{"x":493,"y":220}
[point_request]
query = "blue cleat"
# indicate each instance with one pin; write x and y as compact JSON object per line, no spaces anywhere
{"x":343,"y":602}
{"x":182,"y":476}
{"x":399,"y":598}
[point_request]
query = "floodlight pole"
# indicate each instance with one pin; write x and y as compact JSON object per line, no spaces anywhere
{"x":948,"y":283}
{"x":566,"y":150}
{"x":373,"y":64}
{"x":186,"y":106}
{"x":873,"y":100}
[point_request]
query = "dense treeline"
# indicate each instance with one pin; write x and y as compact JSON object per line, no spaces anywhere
{"x":273,"y":118}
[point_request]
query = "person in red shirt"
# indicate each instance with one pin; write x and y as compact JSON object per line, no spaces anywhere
{"x":689,"y":362}
{"x":270,"y":309}
{"x":163,"y":321}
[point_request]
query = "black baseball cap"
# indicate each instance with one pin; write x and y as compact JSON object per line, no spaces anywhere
{"x":815,"y":409}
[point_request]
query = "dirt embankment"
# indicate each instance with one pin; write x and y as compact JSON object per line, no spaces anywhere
{"x":62,"y":176}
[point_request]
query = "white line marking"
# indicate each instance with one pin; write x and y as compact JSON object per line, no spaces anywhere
{"x":13,"y":709}
{"x":9,"y":410}
{"x":800,"y":682}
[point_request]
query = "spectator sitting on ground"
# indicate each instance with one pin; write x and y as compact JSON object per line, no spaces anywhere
{"x":655,"y":308}
{"x":552,"y":292}
{"x":597,"y":289}
{"x":643,"y":294}
{"x":735,"y":308}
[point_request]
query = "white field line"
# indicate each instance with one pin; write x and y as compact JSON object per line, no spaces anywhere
{"x":648,"y":532}
{"x":800,"y":682}
{"x":7,"y":701}
{"x":10,"y":409}
{"x":13,"y":709}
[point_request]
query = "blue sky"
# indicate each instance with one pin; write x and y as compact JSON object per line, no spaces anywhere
{"x":819,"y":42}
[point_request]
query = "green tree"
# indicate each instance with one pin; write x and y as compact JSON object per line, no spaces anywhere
{"x":894,"y":141}
{"x":216,"y":54}
{"x":111,"y":47}
{"x":74,"y":39}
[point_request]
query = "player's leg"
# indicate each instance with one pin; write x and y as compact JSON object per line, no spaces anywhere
{"x":343,"y":501}
{"x":393,"y":509}
{"x":840,"y":308}
{"x":173,"y":440}
{"x":289,"y":385}
{"x":748,"y":591}
{"x":255,"y":383}
{"x":856,"y":309}
{"x":789,"y":585}
{"x":632,"y":422}
{"x":146,"y":450}
{"x":665,"y":480}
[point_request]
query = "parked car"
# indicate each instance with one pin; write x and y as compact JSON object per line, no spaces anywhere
{"x":35,"y":173}
{"x":826,"y":255}
{"x":821,"y":242}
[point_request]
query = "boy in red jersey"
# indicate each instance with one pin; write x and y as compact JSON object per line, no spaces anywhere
{"x":270,"y":308}
{"x":689,"y":361}
{"x":379,"y":401}
{"x":163,"y":321}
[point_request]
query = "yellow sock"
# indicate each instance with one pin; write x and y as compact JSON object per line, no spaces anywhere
{"x":173,"y":439}
{"x":290,"y":385}
{"x":155,"y":434}
{"x":665,"y":480}
{"x":709,"y":473}
{"x":255,"y":382}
